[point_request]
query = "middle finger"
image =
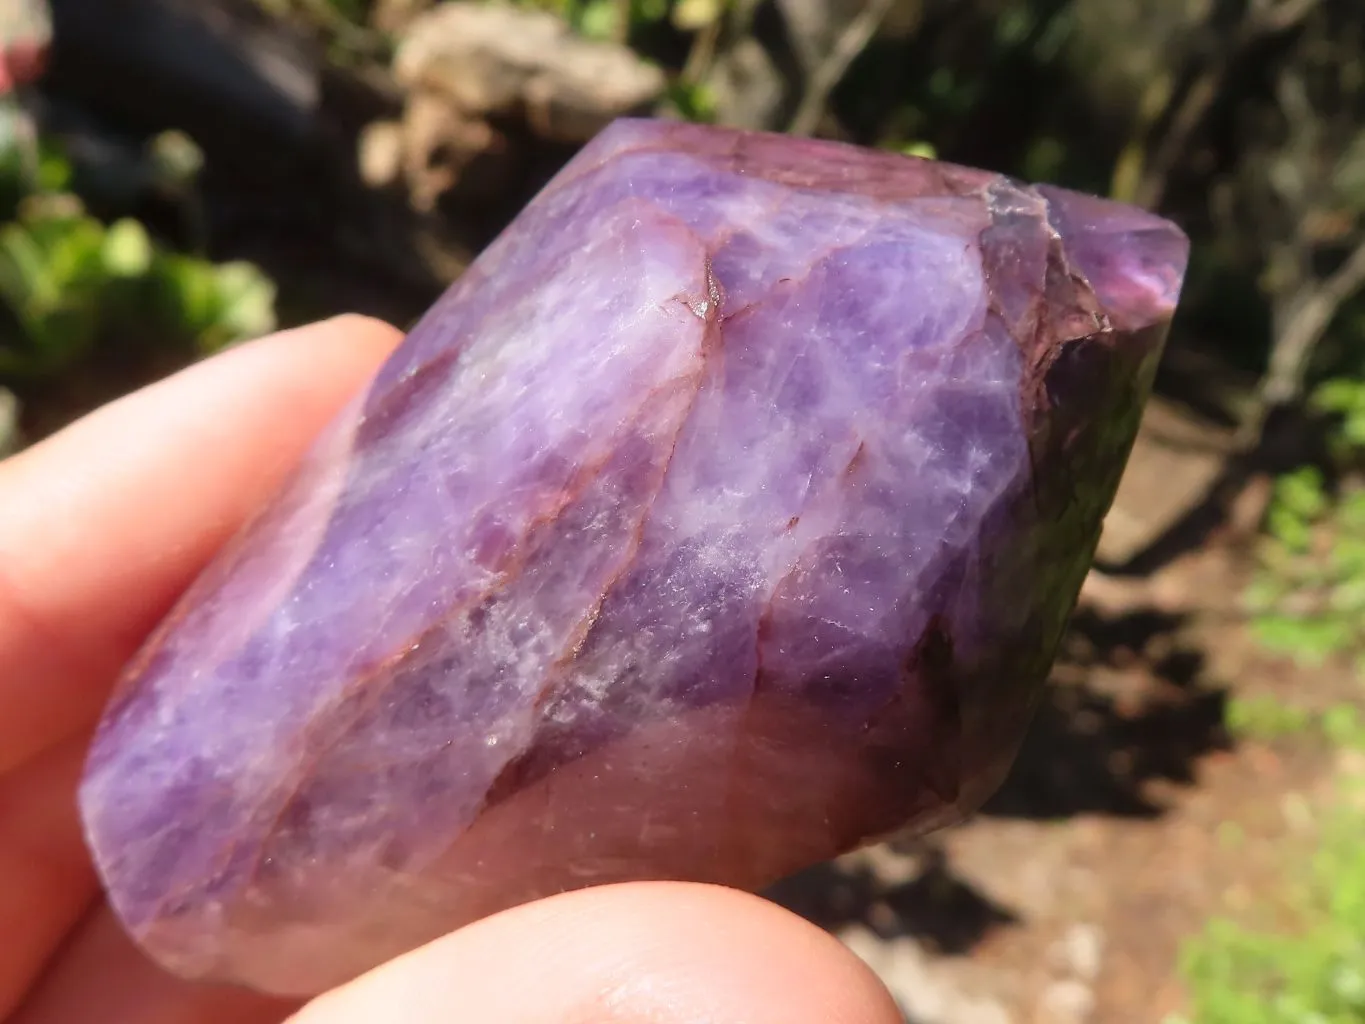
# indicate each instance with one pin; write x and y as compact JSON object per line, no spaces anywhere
{"x":101,"y":976}
{"x":46,"y":879}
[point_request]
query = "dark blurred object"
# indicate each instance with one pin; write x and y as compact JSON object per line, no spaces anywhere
{"x":276,"y":126}
{"x":9,"y":423}
{"x":25,"y":35}
{"x":246,"y":87}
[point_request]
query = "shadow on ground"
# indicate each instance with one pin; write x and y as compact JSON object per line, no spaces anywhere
{"x":1127,"y":709}
{"x":944,"y":913}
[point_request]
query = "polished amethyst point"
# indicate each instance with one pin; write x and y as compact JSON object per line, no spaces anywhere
{"x":723,"y":517}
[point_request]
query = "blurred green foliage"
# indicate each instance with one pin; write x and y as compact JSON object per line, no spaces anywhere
{"x":1305,"y":963}
{"x":1269,"y":718}
{"x":1344,"y":397}
{"x":1307,"y":599}
{"x":1309,"y":971}
{"x":70,"y":284}
{"x":1308,"y":595}
{"x":1266,"y":718}
{"x":75,"y":290}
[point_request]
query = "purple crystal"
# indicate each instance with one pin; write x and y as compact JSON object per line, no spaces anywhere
{"x":723,"y":517}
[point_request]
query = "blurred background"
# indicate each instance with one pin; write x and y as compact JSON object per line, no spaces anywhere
{"x":1181,"y":839}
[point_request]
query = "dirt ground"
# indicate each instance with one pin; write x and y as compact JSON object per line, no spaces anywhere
{"x":1130,"y":817}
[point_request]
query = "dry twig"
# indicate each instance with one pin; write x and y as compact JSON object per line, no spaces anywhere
{"x":1264,"y":18}
{"x":820,"y":82}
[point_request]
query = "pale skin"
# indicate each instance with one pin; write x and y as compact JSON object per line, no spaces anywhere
{"x":101,"y":527}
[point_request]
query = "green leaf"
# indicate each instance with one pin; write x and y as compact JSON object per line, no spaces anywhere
{"x":1302,"y":493}
{"x":1343,"y":725}
{"x":1351,"y":512}
{"x":176,"y":159}
{"x":648,"y":12}
{"x":1290,"y":528}
{"x":246,"y":299}
{"x":1265,"y":717}
{"x":920,"y":149}
{"x":1353,"y":429}
{"x":692,"y":102}
{"x":1339,"y":394}
{"x":597,"y":19}
{"x":1310,"y":641}
{"x":54,"y":171}
{"x":694,"y":15}
{"x":127,"y":249}
{"x":1266,"y":591}
{"x":190,"y":292}
{"x":23,"y":272}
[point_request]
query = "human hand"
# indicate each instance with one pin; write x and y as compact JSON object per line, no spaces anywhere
{"x":101,"y":527}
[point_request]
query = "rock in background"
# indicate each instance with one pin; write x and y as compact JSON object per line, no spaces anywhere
{"x":475,"y":72}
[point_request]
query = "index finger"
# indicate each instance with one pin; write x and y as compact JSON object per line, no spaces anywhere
{"x":103,"y":525}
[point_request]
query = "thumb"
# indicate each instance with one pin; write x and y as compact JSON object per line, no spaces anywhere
{"x":652,"y":953}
